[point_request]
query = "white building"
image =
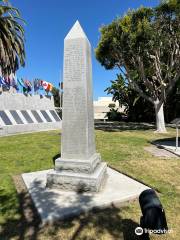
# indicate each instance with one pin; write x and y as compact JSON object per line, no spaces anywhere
{"x":101,"y":107}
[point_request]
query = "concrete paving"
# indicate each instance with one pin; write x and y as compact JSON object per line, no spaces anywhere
{"x":169,"y":146}
{"x":159,"y":152}
{"x":53,"y":204}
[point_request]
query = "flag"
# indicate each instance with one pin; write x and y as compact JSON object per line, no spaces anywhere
{"x":5,"y":83}
{"x":28,"y":85}
{"x":23,"y":85}
{"x":8,"y":81}
{"x":2,"y":81}
{"x":37,"y":85}
{"x":47,"y":86}
{"x":14,"y":83}
{"x":21,"y":82}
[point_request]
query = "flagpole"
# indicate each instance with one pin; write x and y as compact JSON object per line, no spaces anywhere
{"x":60,"y":99}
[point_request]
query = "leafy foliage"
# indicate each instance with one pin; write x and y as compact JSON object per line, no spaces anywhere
{"x":144,"y":45}
{"x":132,"y":102}
{"x":12,"y":50}
{"x":55,"y":93}
{"x":113,"y":114}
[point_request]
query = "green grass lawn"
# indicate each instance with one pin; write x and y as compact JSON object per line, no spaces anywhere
{"x":123,"y":150}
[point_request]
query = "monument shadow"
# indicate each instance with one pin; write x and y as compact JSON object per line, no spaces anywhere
{"x":29,"y":225}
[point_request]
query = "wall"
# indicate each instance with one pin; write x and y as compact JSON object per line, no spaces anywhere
{"x":19,"y":101}
{"x":29,"y":104}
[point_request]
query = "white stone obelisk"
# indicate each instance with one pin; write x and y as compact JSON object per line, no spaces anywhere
{"x":80,"y":167}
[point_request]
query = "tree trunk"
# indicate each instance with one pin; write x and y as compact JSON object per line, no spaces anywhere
{"x":159,"y":111}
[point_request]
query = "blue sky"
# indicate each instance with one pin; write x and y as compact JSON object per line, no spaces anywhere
{"x":48,"y":22}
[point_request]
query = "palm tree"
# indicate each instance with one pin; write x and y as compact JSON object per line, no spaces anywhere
{"x":12,"y":51}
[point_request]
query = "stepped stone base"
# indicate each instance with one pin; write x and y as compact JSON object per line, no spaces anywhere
{"x":78,"y":166}
{"x":79,"y":182}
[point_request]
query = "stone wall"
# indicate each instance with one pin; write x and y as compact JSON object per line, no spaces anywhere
{"x":19,"y":101}
{"x":21,"y":113}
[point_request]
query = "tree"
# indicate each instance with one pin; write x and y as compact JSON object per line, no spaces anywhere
{"x":145,"y":46}
{"x":129,"y":98}
{"x":12,"y":50}
{"x":113,"y":114}
{"x":173,"y":100}
{"x":119,"y":90}
{"x":55,"y":93}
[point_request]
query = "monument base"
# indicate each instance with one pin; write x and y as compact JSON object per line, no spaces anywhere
{"x":53,"y":205}
{"x":79,"y":182}
{"x":77,"y":165}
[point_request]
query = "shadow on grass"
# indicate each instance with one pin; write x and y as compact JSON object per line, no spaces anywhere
{"x":29,"y":227}
{"x":122,"y":126}
{"x":171,"y":142}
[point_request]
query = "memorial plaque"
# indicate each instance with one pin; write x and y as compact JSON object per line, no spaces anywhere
{"x":27,"y":116}
{"x":55,"y":116}
{"x":36,"y":115}
{"x":5,"y":118}
{"x":46,"y":116}
{"x":16,"y":117}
